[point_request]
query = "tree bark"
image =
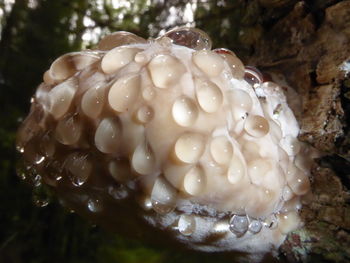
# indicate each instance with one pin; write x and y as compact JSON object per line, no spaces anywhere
{"x":310,"y":46}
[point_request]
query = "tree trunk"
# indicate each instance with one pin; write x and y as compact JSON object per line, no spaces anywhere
{"x":310,"y":46}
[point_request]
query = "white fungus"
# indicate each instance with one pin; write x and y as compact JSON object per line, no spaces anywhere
{"x":181,"y":128}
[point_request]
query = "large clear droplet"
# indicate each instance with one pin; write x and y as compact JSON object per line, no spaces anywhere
{"x":253,"y":76}
{"x":80,"y":168}
{"x":186,"y":225}
{"x":94,"y":205}
{"x":163,"y":196}
{"x":255,"y":226}
{"x":239,"y":225}
{"x":189,"y":37}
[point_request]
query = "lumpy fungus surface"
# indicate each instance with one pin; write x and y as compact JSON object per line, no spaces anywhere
{"x":188,"y":138}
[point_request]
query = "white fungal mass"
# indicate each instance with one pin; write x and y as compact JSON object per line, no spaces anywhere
{"x":177,"y":126}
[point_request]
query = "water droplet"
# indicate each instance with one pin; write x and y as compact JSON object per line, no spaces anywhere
{"x":189,"y":37}
{"x":253,"y":76}
{"x":118,"y":58}
{"x":144,"y":114}
{"x":209,"y":62}
{"x":239,"y":225}
{"x":69,"y":130}
{"x":291,"y":145}
{"x":94,"y":205}
{"x":241,"y":103}
{"x":166,"y":70}
{"x":209,"y":95}
{"x":195,"y":181}
{"x":53,"y":172}
{"x":61,"y":97}
{"x":124,"y":92}
{"x":236,"y":170}
{"x":255,"y":226}
{"x":143,"y":159}
{"x":107,"y":135}
{"x":120,"y":170}
{"x":80,"y":168}
{"x":189,"y":147}
{"x":221,"y":149}
{"x":92,"y":102}
{"x":235,"y":64}
{"x":184,"y":111}
{"x":256,"y":126}
{"x":257,"y":169}
{"x":186,"y":225}
{"x":163,"y":196}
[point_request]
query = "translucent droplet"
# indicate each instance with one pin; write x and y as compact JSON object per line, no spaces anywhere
{"x":47,"y":145}
{"x":221,"y":150}
{"x":291,"y":145}
{"x":80,"y":168}
{"x":209,"y":95}
{"x":288,"y":222}
{"x":53,"y":173}
{"x":189,"y":37}
{"x":256,"y":126}
{"x":145,"y":203}
{"x":66,"y":65}
{"x":119,"y":38}
{"x":143,"y":159}
{"x":166,"y":70}
{"x":120,"y":170}
{"x":124,"y":92}
{"x":92,"y":102}
{"x":236,"y":170}
{"x":241,"y":103}
{"x":189,"y":147}
{"x":69,"y":130}
{"x":144,"y":114}
{"x":235,"y":64}
{"x":186,"y":225}
{"x":118,"y":58}
{"x":94,"y":205}
{"x":163,"y":196}
{"x":209,"y":62}
{"x":239,"y":225}
{"x":255,"y":226}
{"x":195,"y":181}
{"x":287,"y":193}
{"x":257,"y":170}
{"x":253,"y":76}
{"x":107,"y":135}
{"x":184,"y":111}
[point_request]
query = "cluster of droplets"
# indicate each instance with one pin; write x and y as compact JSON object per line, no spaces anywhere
{"x":172,"y":120}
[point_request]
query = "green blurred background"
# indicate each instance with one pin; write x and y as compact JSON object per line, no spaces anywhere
{"x":33,"y":34}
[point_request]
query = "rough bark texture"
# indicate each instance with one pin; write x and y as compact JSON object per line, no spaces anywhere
{"x":310,"y":46}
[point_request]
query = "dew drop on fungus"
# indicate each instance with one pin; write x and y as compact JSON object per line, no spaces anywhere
{"x":163,"y":196}
{"x":255,"y":226}
{"x":189,"y":37}
{"x":239,"y":225}
{"x":253,"y":76}
{"x":184,"y":111}
{"x":186,"y":225}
